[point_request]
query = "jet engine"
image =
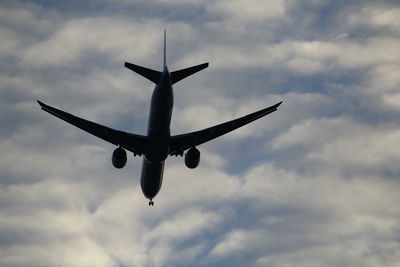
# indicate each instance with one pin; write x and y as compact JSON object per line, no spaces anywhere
{"x":119,"y":158}
{"x":192,"y":158}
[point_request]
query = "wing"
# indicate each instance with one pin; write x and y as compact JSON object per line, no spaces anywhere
{"x":180,"y":143}
{"x":132,"y":142}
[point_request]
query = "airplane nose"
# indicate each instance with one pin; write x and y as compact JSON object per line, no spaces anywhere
{"x":151,"y":178}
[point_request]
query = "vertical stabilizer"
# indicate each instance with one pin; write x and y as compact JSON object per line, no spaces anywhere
{"x":165,"y":48}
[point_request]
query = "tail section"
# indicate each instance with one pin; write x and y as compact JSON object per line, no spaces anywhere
{"x":178,"y":75}
{"x":150,"y":74}
{"x":165,"y":48}
{"x":155,"y":76}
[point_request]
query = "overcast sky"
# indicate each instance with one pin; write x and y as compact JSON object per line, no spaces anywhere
{"x":316,"y":183}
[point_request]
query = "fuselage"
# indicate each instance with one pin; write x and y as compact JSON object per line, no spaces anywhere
{"x":158,"y":144}
{"x":158,"y":134}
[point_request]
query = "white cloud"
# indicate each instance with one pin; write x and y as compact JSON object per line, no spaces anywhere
{"x":348,"y":253}
{"x":48,"y":226}
{"x":117,"y":39}
{"x":185,"y":187}
{"x":248,"y":11}
{"x":23,"y":25}
{"x":374,"y":150}
{"x":322,"y":190}
{"x":343,"y":142}
{"x":379,"y":17}
{"x":180,"y":2}
{"x":185,"y":224}
{"x":235,"y":241}
{"x":392,"y":100}
{"x":316,"y":132}
{"x":346,"y":210}
{"x":383,"y":78}
{"x":305,"y":57}
{"x":78,"y":37}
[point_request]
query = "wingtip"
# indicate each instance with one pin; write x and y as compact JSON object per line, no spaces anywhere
{"x":278,"y":104}
{"x":40,"y":103}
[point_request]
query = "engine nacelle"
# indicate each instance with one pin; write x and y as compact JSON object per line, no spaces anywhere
{"x":192,"y":158}
{"x":119,"y":158}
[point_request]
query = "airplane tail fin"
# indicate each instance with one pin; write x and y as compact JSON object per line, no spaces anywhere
{"x":165,"y":48}
{"x":178,"y":75}
{"x":150,"y":74}
{"x":155,"y":76}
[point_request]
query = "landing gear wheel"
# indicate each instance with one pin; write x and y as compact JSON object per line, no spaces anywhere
{"x":151,"y":203}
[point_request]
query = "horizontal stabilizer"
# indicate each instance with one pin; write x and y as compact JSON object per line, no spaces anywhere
{"x":178,"y":75}
{"x":150,"y":74}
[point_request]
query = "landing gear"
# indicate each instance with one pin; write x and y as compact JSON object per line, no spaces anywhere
{"x":151,"y":203}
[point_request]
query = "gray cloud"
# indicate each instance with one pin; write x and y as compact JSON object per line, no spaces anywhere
{"x":314,"y":184}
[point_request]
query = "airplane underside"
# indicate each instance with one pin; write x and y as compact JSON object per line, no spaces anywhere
{"x":151,"y":179}
{"x":158,"y":144}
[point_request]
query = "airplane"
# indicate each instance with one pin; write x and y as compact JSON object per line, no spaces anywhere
{"x":158,"y":144}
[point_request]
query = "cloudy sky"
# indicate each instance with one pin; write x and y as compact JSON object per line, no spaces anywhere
{"x":314,"y":184}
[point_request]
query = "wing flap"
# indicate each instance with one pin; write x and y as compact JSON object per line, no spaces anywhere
{"x":132,"y":142}
{"x":180,"y":143}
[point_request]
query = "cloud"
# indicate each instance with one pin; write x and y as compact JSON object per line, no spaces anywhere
{"x":343,"y":144}
{"x":392,"y":100}
{"x":377,"y":17}
{"x":234,"y":242}
{"x":305,"y":57}
{"x":250,"y":12}
{"x":313,"y":184}
{"x":47,"y":226}
{"x":76,"y":39}
{"x":341,"y":206}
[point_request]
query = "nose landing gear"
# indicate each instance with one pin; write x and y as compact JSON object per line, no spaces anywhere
{"x":151,"y":203}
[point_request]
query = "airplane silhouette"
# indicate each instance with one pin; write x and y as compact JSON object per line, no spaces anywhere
{"x":158,"y":144}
